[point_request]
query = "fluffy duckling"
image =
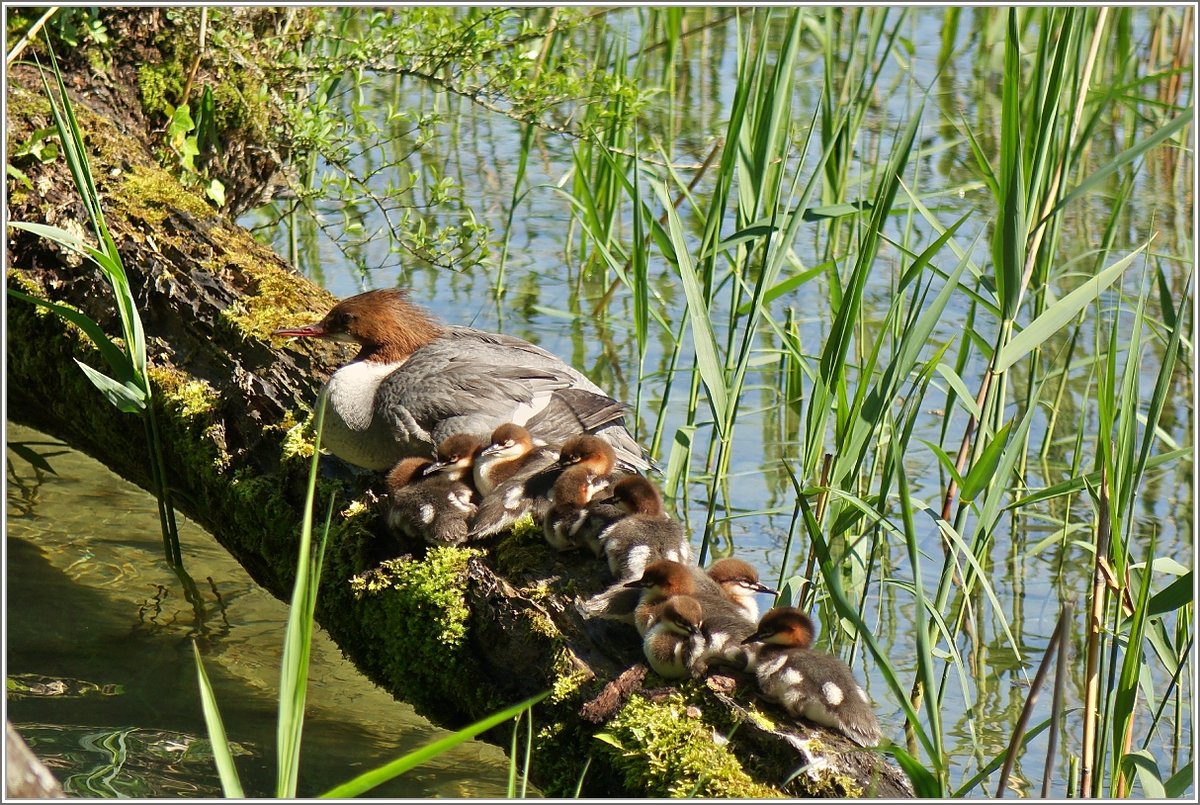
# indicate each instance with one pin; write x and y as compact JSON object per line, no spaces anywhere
{"x":434,"y":500}
{"x":575,"y":517}
{"x":675,"y":644}
{"x":739,"y":582}
{"x":510,"y":452}
{"x":809,"y":684}
{"x":520,"y":476}
{"x":645,"y":535}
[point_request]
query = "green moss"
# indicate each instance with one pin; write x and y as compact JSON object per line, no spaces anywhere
{"x":415,"y":613}
{"x":666,"y":749}
{"x":152,"y":193}
{"x":160,"y":86}
{"x":190,"y":398}
{"x":569,"y":678}
{"x":280,"y":298}
{"x":299,"y":437}
{"x":522,"y":549}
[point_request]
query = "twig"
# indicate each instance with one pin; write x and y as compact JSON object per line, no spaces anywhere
{"x":187,"y":88}
{"x":1095,"y":625}
{"x":29,"y":35}
{"x":1057,"y":640}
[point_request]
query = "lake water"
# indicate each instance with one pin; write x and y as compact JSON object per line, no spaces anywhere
{"x":101,"y":680}
{"x":549,"y":301}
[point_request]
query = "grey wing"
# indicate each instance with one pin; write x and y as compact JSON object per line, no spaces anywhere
{"x":572,"y":411}
{"x":582,"y":406}
{"x":436,"y":394}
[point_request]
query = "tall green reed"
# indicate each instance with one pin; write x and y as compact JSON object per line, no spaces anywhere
{"x":128,"y":387}
{"x":852,"y":495}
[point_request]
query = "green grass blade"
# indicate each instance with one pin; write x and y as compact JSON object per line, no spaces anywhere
{"x":1122,"y":159}
{"x":365,"y":782}
{"x":984,"y":468}
{"x":1055,"y":317}
{"x":126,"y":397}
{"x":222,"y":755}
{"x":117,"y":361}
{"x":297,"y":642}
{"x":704,"y":337}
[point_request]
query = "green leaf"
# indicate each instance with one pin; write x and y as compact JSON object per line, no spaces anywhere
{"x":230,"y":784}
{"x":704,"y":338}
{"x":1175,"y":595}
{"x":1146,"y":771}
{"x":1178,"y":783}
{"x":1061,"y":312}
{"x":60,"y":236}
{"x":965,"y":397}
{"x":375,"y":777}
{"x":117,"y":360}
{"x":944,"y":459}
{"x":984,"y":468}
{"x":1114,"y":164}
{"x":126,"y":397}
{"x":216,"y":192}
{"x":925,"y":784}
{"x":19,"y":175}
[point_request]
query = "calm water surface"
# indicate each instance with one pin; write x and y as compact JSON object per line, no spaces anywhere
{"x":101,"y":680}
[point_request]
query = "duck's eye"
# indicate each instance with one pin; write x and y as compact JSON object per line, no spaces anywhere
{"x":509,"y":442}
{"x":340,"y":320}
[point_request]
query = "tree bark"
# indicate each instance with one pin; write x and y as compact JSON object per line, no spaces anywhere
{"x":458,"y":633}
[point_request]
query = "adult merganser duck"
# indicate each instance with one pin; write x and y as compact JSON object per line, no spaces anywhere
{"x":809,"y":684}
{"x":646,"y":535}
{"x":739,"y":581}
{"x":434,"y":507}
{"x":416,"y":381}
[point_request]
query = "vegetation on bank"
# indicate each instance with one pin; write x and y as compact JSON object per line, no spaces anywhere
{"x":1053,"y":395}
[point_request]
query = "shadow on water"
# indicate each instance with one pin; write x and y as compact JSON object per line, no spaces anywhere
{"x":101,"y":681}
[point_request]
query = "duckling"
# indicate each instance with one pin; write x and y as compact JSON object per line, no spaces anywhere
{"x":520,"y":480}
{"x":574,"y":519}
{"x":674,"y":645}
{"x":646,"y":535}
{"x":809,"y":684}
{"x":434,"y":500}
{"x":529,"y":491}
{"x":724,"y":625}
{"x":739,"y":582}
{"x":510,"y":452}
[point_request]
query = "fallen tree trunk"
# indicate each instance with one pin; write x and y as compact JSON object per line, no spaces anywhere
{"x":459,"y":633}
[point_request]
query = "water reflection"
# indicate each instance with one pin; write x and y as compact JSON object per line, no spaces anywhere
{"x":101,"y":679}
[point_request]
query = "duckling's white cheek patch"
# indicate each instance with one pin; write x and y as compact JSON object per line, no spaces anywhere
{"x":833,"y":693}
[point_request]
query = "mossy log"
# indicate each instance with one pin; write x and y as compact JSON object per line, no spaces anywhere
{"x":459,"y":633}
